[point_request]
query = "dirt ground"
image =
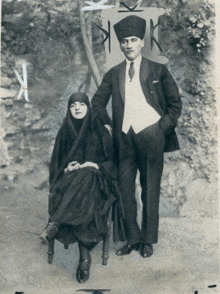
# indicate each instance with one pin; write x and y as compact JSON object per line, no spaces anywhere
{"x":185,"y":260}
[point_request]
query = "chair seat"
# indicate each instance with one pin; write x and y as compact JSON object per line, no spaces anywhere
{"x":105,"y":246}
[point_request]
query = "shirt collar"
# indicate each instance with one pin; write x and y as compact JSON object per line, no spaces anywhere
{"x":137,"y":61}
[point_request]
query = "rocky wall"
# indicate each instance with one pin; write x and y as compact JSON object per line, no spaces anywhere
{"x":46,"y":37}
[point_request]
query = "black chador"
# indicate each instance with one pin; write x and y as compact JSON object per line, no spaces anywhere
{"x":80,"y":200}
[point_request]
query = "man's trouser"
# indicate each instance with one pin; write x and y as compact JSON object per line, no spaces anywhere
{"x":145,"y":151}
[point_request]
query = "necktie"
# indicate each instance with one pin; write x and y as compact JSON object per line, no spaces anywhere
{"x":131,"y":71}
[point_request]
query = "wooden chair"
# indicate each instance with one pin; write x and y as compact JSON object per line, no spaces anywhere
{"x":105,"y":246}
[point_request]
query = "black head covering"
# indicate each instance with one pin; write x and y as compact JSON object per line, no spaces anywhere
{"x":72,"y":132}
{"x":131,"y":25}
{"x":78,"y":97}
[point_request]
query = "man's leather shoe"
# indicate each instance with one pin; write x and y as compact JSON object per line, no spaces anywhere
{"x":126,"y":249}
{"x":146,"y":250}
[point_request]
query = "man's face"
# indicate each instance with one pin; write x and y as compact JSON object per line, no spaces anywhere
{"x":131,"y":47}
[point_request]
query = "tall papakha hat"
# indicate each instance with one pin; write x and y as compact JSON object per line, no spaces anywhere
{"x":131,"y":25}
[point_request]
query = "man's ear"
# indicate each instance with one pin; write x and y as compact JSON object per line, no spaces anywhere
{"x":142,"y":45}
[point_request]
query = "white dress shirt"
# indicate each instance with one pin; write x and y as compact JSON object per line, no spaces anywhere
{"x":137,"y":112}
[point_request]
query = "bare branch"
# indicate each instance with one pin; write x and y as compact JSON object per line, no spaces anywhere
{"x":88,"y":49}
{"x":89,"y":28}
{"x":88,"y":81}
{"x":89,"y":35}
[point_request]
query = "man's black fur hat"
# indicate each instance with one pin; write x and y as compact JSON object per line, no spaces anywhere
{"x":132,"y":25}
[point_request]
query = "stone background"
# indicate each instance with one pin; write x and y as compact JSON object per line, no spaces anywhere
{"x":46,"y":36}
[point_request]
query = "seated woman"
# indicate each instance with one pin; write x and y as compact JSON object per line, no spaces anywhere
{"x":81,"y":182}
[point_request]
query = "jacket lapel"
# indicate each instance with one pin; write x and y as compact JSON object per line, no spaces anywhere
{"x":121,"y":77}
{"x":144,"y":80}
{"x":146,"y":77}
{"x":144,"y":70}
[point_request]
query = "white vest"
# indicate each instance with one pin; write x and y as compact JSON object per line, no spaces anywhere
{"x":137,"y":112}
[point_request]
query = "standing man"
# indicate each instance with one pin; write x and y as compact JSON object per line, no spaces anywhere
{"x":145,"y":109}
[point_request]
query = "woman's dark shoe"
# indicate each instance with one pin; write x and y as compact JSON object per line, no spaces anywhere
{"x":83,"y":270}
{"x":50,"y":231}
{"x":126,"y":249}
{"x":43,"y":237}
{"x":146,"y":250}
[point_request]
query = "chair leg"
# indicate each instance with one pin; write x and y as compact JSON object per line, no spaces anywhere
{"x":105,"y":244}
{"x":50,"y":250}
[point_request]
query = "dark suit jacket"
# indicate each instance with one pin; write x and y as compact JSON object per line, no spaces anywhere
{"x":160,"y":91}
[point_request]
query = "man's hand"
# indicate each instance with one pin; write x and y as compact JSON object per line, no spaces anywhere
{"x":108,"y":127}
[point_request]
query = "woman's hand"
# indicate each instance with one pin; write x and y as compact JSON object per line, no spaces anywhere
{"x":74,"y":165}
{"x":89,"y":164}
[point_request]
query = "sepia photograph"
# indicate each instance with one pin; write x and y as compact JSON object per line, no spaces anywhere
{"x":109,"y":154}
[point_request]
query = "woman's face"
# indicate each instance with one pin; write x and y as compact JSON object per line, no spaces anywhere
{"x":78,"y":110}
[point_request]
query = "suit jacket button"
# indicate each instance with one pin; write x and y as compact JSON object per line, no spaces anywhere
{"x":151,"y":92}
